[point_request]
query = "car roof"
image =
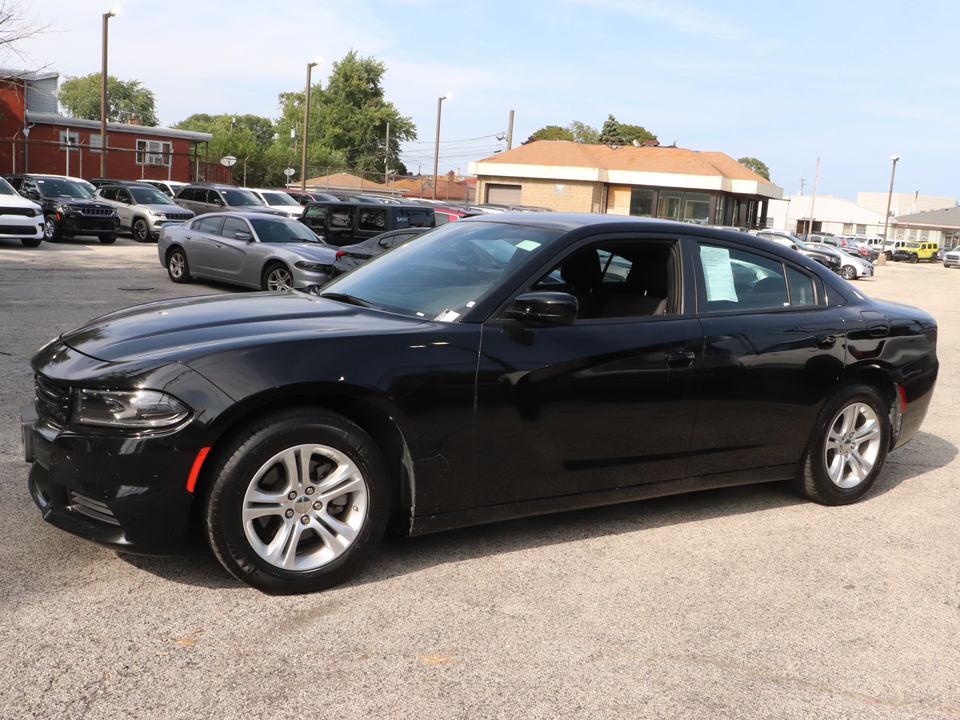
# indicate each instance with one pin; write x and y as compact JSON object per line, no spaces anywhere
{"x":248,"y":215}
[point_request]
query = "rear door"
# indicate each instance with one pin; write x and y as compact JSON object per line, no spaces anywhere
{"x":773,"y":352}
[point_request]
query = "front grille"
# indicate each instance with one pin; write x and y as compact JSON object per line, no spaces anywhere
{"x":91,"y":508}
{"x":53,"y":401}
{"x":178,"y":216}
{"x":25,"y":212}
{"x":95,"y":211}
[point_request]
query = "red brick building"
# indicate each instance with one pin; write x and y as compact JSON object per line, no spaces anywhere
{"x":34,"y":137}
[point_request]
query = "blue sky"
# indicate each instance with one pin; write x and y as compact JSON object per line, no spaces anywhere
{"x":849,"y":82}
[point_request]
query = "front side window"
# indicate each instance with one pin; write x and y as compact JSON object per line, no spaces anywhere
{"x":316,"y":212}
{"x":282,"y":230}
{"x":233,"y":225}
{"x":740,"y":280}
{"x":618,"y":279}
{"x":241,"y":198}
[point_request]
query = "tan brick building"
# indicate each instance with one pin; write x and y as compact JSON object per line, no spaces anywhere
{"x":666,"y":182}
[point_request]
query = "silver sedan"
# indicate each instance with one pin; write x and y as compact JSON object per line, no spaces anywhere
{"x":248,"y":249}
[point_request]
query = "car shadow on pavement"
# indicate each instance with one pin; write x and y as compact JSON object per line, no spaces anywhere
{"x":398,"y":556}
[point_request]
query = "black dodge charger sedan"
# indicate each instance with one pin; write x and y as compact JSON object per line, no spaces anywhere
{"x":497,"y":367}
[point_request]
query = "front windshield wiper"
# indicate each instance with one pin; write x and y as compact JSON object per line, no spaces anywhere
{"x":349,"y":299}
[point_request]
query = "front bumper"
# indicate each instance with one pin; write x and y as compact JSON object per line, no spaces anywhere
{"x":73,"y":223}
{"x":19,"y":226}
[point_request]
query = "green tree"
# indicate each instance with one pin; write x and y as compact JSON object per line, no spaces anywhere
{"x":611,"y":133}
{"x":583,"y":133}
{"x":758,"y":167}
{"x":636,"y":132}
{"x":80,"y":97}
{"x":248,"y":138}
{"x":348,"y":120}
{"x":550,"y":132}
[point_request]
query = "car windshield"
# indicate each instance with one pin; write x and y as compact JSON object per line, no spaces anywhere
{"x":55,"y":187}
{"x":441,"y":274}
{"x":6,"y":188}
{"x":913,"y":245}
{"x":278,"y":198}
{"x":240,"y":198}
{"x":281,"y":230}
{"x":150,"y":196}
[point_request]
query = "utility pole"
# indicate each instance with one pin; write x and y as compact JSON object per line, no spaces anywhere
{"x":803,"y":182}
{"x":816,"y":181}
{"x":386,"y":159}
{"x":510,"y":132}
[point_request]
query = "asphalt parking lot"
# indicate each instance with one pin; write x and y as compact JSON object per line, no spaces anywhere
{"x":740,"y":603}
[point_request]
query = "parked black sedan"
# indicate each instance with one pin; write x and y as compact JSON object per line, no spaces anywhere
{"x":496,"y":367}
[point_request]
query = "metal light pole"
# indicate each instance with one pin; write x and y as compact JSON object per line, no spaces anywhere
{"x":114,"y":11}
{"x":306,"y":125}
{"x":436,"y":152}
{"x":882,"y":259}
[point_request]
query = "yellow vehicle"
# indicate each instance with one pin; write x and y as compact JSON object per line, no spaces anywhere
{"x":916,"y":251}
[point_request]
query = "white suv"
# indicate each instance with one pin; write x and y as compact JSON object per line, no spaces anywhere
{"x":19,"y":218}
{"x":279,"y":200}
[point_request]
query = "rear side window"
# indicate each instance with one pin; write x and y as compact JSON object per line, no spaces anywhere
{"x":416,"y":217}
{"x":740,"y":280}
{"x":341,"y":217}
{"x":374,"y":219}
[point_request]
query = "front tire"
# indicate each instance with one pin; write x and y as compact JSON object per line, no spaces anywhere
{"x":298,"y":502}
{"x":108,"y":239}
{"x":848,"y":273}
{"x":847,"y":448}
{"x":177,"y":266}
{"x":51,"y":230}
{"x":277,"y":278}
{"x":31,"y":242}
{"x":140,"y":231}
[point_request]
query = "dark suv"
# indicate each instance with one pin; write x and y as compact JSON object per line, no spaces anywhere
{"x":69,"y":207}
{"x":346,"y":223}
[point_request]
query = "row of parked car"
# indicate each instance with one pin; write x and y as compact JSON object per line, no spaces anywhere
{"x":52,"y":207}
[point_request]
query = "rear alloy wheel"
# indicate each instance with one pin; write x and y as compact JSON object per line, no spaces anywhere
{"x":847,"y":448}
{"x":108,"y":239}
{"x":848,"y":272}
{"x":51,"y":230}
{"x":277,"y":278}
{"x":140,"y":231}
{"x":298,"y":501}
{"x":177,"y":266}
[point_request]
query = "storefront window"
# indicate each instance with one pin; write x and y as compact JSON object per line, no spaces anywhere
{"x":696,"y":207}
{"x":668,"y":208}
{"x":641,"y":202}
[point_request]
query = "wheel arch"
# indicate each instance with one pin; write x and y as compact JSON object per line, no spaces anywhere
{"x":169,"y":251}
{"x":373,"y":417}
{"x":881,"y":380}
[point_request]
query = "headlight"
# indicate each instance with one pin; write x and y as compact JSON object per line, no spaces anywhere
{"x":312,"y":266}
{"x":135,"y":410}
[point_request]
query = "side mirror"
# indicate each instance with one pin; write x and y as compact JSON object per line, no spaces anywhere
{"x":218,"y":201}
{"x":32,"y":194}
{"x":243,"y":236}
{"x":544,"y":308}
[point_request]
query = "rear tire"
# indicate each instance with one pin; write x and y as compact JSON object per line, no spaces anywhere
{"x":298,"y":502}
{"x":847,"y":447}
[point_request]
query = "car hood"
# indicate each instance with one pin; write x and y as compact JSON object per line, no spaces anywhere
{"x":18,"y":201}
{"x":163,"y":208}
{"x":178,"y":330}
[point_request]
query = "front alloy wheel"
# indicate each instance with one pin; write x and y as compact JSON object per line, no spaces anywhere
{"x":51,"y":230}
{"x":140,"y":231}
{"x":277,"y":279}
{"x":297,"y":502}
{"x":848,"y":272}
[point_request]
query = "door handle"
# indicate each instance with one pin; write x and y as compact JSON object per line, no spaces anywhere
{"x":826,"y":341}
{"x":879,"y":330}
{"x":680,"y":359}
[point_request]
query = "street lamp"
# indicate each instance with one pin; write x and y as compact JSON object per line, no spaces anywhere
{"x":436,"y":152}
{"x":114,"y":11}
{"x":882,"y":259}
{"x":306,"y":125}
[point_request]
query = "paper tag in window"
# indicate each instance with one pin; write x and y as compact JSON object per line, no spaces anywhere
{"x":718,"y":273}
{"x":447,"y":316}
{"x":528,"y":245}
